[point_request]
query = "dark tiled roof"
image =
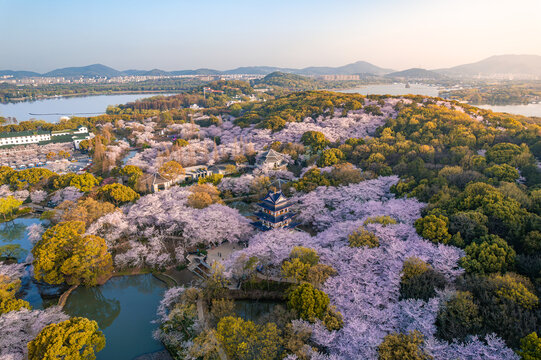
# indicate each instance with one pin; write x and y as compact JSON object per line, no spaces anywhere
{"x":274,"y":219}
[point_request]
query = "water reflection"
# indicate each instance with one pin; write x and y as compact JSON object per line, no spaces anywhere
{"x":124,"y":307}
{"x":93,"y":304}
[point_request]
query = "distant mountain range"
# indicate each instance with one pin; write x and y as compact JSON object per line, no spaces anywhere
{"x":416,"y":73}
{"x":514,"y":65}
{"x":502,"y":66}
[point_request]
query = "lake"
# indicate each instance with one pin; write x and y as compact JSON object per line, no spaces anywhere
{"x":124,"y":307}
{"x":526,"y":110}
{"x":67,"y":106}
{"x":396,"y":89}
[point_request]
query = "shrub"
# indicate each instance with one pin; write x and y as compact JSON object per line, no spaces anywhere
{"x":489,"y":255}
{"x":362,"y":237}
{"x":458,"y":318}
{"x":383,"y":220}
{"x":402,"y":346}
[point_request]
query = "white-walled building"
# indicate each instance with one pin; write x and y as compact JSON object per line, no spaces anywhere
{"x":42,"y":137}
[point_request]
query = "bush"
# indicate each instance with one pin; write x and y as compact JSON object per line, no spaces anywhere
{"x":458,"y":317}
{"x":422,"y":286}
{"x":530,"y":347}
{"x":433,"y":228}
{"x":309,"y":302}
{"x":489,"y":255}
{"x":402,"y":346}
{"x":383,"y":220}
{"x":362,"y":237}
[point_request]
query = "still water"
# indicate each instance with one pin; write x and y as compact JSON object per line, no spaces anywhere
{"x":124,"y":307}
{"x":526,"y":110}
{"x":67,"y":106}
{"x":396,"y":89}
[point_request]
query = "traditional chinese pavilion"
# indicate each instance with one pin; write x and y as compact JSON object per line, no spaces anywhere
{"x":274,"y":212}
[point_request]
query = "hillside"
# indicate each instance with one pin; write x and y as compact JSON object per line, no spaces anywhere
{"x":359,"y":67}
{"x":517,"y":66}
{"x":416,"y":73}
{"x":289,"y":81}
{"x":18,"y":74}
{"x":96,"y":70}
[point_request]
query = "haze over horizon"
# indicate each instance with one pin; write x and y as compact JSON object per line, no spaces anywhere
{"x":173,"y":35}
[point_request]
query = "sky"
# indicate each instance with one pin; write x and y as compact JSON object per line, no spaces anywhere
{"x":41,"y":35}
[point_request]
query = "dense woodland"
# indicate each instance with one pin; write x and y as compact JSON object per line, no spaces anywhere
{"x":420,"y":219}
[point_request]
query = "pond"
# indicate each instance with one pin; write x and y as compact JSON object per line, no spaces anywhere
{"x":15,"y":232}
{"x":255,"y":310}
{"x":124,"y":308}
{"x":66,"y":106}
{"x":396,"y":89}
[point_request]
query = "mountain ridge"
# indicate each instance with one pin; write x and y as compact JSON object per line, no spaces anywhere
{"x":498,"y":65}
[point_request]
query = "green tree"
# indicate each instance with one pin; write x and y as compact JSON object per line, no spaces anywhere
{"x":503,"y":173}
{"x":403,"y":347}
{"x":8,"y":206}
{"x":488,"y":255}
{"x":384,"y":220}
{"x":530,"y":347}
{"x":77,"y":338}
{"x":458,"y":318}
{"x":503,"y":153}
{"x":133,"y":173}
{"x":117,"y":194}
{"x":305,"y":255}
{"x":309,"y":302}
{"x":434,"y":228}
{"x":314,"y":139}
{"x":65,"y":255}
{"x":171,"y":170}
{"x":330,"y":157}
{"x":362,"y":237}
{"x":245,"y":340}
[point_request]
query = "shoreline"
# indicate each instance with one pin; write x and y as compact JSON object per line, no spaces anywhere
{"x":50,"y":97}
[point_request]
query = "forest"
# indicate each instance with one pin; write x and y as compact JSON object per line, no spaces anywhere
{"x":418,"y":227}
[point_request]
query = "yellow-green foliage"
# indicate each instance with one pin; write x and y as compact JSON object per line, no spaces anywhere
{"x":65,"y":255}
{"x":244,"y":340}
{"x":8,"y":206}
{"x":530,"y":347}
{"x":309,"y":302}
{"x":383,"y":220}
{"x":7,"y":305}
{"x":117,"y":194}
{"x":362,"y":237}
{"x":510,"y":287}
{"x":213,"y":179}
{"x":305,"y":255}
{"x":413,"y":266}
{"x":402,"y":347}
{"x":83,"y":182}
{"x":76,"y":338}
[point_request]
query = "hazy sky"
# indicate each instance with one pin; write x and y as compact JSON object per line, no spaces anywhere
{"x":41,"y":35}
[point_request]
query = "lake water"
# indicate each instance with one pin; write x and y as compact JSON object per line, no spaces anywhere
{"x":526,"y":110}
{"x":124,"y":307}
{"x":396,"y":89}
{"x":67,"y":106}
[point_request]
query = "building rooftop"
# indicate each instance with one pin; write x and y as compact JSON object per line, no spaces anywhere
{"x":23,"y":133}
